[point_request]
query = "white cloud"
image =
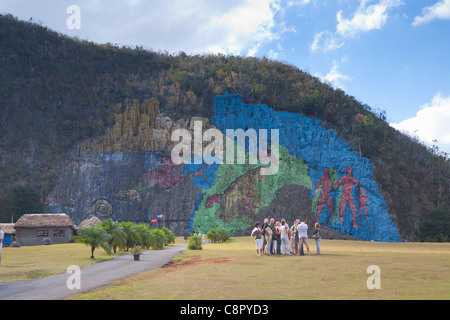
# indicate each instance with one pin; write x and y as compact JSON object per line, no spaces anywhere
{"x":334,"y":77}
{"x":440,"y":10}
{"x":364,"y":19}
{"x":192,"y":26}
{"x":246,"y":27}
{"x":326,"y":41}
{"x":293,"y":3}
{"x":430,"y":123}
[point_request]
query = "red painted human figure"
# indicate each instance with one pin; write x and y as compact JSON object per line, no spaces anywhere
{"x":363,"y":198}
{"x":348,"y":182}
{"x":325,"y":197}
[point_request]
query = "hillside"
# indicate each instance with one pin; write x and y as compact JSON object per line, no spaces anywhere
{"x":57,"y":92}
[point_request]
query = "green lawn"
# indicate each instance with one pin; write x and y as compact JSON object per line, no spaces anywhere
{"x":31,"y":262}
{"x":233,"y":271}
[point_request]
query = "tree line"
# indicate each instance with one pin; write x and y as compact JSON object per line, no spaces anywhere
{"x":112,"y":235}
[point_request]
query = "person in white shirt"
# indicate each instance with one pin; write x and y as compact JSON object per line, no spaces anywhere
{"x":285,"y":223}
{"x":2,"y":234}
{"x":257,"y":233}
{"x":284,"y":238}
{"x":303,"y":236}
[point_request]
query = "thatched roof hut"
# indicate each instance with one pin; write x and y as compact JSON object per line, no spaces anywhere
{"x":9,"y":232}
{"x":32,"y":229}
{"x":49,"y":220}
{"x":94,"y":221}
{"x":7,"y":228}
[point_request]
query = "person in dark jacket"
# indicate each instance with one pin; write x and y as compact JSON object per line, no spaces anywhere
{"x":316,"y":236}
{"x":274,"y":237}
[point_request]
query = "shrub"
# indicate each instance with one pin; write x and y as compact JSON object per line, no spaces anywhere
{"x":219,"y":235}
{"x":212,"y":235}
{"x":195,"y":243}
{"x":170,"y":236}
{"x":136,"y":251}
{"x":158,"y":239}
{"x":222,"y":235}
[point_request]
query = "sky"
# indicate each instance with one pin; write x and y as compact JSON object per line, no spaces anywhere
{"x":391,"y":55}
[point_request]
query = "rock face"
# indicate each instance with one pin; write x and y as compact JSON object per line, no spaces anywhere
{"x":136,"y":129}
{"x":128,"y":174}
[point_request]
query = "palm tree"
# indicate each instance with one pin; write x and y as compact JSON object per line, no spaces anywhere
{"x":132,"y":235}
{"x":159,"y":239}
{"x":118,"y":235}
{"x":94,"y":236}
{"x":145,"y":235}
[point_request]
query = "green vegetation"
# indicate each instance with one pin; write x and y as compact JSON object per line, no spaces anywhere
{"x":195,"y":243}
{"x":213,"y":235}
{"x":124,"y":235}
{"x":21,"y":200}
{"x":56,"y":91}
{"x":118,"y":237}
{"x":136,"y":251}
{"x":436,"y":226}
{"x":158,"y":239}
{"x":219,"y":235}
{"x":170,"y":236}
{"x":94,"y":236}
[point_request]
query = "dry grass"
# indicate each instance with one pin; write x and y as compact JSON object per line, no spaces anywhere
{"x":31,"y":262}
{"x":233,"y":271}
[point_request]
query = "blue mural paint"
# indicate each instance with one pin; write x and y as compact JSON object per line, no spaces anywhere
{"x":320,"y":148}
{"x":192,"y":216}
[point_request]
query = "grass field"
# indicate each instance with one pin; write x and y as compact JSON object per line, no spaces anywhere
{"x":26,"y":263}
{"x":232,"y":270}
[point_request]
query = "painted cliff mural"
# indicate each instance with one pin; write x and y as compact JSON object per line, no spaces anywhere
{"x":129,"y":174}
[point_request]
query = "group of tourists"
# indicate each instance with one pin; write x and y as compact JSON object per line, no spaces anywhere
{"x":276,"y":238}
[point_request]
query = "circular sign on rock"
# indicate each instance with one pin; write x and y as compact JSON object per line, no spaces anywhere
{"x":102,"y":208}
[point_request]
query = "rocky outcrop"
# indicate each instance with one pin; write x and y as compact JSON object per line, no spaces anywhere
{"x":136,"y":129}
{"x":126,"y":174}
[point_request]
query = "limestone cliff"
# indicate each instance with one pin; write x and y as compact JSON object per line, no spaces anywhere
{"x":128,"y":174}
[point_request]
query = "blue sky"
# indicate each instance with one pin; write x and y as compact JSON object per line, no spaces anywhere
{"x":392,"y":55}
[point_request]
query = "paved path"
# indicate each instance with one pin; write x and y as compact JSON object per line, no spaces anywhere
{"x":94,"y":276}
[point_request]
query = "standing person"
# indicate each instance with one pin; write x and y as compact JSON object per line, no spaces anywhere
{"x":268,"y":236}
{"x":284,"y":237}
{"x":285,"y":223}
{"x":316,"y":236}
{"x":278,"y":235}
{"x":303,"y":235}
{"x":2,"y":234}
{"x":294,"y":240}
{"x":257,"y":233}
{"x":274,"y":237}
{"x":265,"y":224}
